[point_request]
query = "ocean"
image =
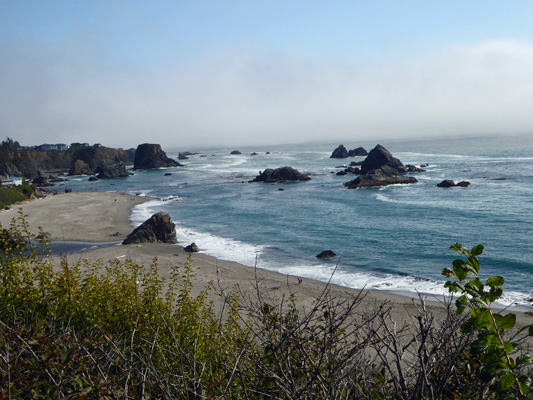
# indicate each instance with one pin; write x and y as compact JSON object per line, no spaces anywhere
{"x":393,"y":238}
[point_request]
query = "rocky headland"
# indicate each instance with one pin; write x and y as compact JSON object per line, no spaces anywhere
{"x":77,"y":160}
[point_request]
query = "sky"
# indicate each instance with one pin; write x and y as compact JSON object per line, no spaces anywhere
{"x":193,"y":74}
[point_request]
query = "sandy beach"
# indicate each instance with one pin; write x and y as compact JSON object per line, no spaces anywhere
{"x":104,"y":217}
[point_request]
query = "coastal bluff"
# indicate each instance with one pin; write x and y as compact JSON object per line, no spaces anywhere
{"x":77,"y":160}
{"x":151,"y":156}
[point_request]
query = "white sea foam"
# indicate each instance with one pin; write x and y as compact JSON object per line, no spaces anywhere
{"x":360,"y":280}
{"x":219,"y":247}
{"x":141,"y":212}
{"x":400,"y":284}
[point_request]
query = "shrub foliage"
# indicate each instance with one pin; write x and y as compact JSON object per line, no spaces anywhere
{"x":117,"y":330}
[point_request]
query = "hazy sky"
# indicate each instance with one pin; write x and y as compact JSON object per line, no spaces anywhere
{"x":227,"y":73}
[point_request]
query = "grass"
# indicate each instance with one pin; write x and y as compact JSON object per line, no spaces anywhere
{"x":15,"y":194}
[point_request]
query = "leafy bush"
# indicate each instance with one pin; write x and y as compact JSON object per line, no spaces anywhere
{"x":15,"y":194}
{"x":118,"y":330}
{"x":501,"y":373}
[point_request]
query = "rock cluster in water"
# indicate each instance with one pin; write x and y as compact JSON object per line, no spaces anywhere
{"x":282,"y":174}
{"x":450,"y":183}
{"x":341,"y":152}
{"x":380,"y":168}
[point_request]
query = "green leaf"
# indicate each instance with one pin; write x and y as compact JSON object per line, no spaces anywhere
{"x":474,"y":263}
{"x":478,"y":302}
{"x":458,"y":247}
{"x":508,"y":347}
{"x":492,"y":358}
{"x":494,"y":294}
{"x":454,"y":286}
{"x":525,"y":383}
{"x":472,"y":290}
{"x":506,"y":381}
{"x":495,"y":281}
{"x":461,"y":274}
{"x":461,"y":303}
{"x":524,"y":388}
{"x":458,"y":263}
{"x":477,"y":250}
{"x":468,"y":326}
{"x":477,"y":283}
{"x":507,"y":322}
{"x":483,"y":318}
{"x":529,"y":313}
{"x":447,"y":272}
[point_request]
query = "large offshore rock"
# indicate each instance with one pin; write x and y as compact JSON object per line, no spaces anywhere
{"x":282,"y":174}
{"x":379,"y":177}
{"x":360,"y":152}
{"x":113,"y":171}
{"x":449,"y":183}
{"x":339,"y":152}
{"x":150,"y":156}
{"x":159,"y":228}
{"x":379,"y":157}
{"x":380,"y":168}
{"x":80,"y":167}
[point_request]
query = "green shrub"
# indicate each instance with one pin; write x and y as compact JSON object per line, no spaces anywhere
{"x":501,"y":362}
{"x":16,"y":194}
{"x":99,"y":328}
{"x":118,"y":330}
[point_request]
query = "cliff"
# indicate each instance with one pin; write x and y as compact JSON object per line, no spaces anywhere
{"x":86,"y":160}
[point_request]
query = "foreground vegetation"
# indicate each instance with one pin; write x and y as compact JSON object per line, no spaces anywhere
{"x":116,"y":330}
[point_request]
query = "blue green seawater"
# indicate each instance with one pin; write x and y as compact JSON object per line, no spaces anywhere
{"x":393,"y":238}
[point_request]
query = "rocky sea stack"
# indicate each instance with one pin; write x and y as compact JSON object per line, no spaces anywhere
{"x":449,"y":183}
{"x":150,"y":156}
{"x":113,"y":171}
{"x":380,"y":168}
{"x":282,"y":174}
{"x":341,"y":152}
{"x":159,"y":228}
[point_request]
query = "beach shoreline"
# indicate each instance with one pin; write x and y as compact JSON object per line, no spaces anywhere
{"x":105,"y":217}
